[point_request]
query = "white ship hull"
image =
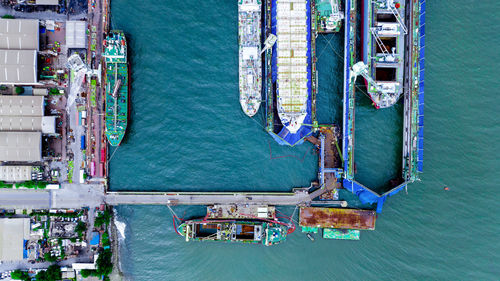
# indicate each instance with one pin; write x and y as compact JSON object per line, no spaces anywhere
{"x":292,"y":63}
{"x":250,"y":60}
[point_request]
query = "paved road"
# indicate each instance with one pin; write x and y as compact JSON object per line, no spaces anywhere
{"x":70,"y":196}
{"x":21,"y":199}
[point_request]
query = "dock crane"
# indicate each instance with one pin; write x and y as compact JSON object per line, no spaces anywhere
{"x":360,"y":68}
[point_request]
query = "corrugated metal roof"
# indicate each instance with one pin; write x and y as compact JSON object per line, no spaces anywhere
{"x":14,"y":232}
{"x":76,"y":34}
{"x":338,"y":218}
{"x":21,"y":105}
{"x":47,"y":2}
{"x":19,"y":34}
{"x":18,"y":67}
{"x":21,"y":146}
{"x":15,"y":173}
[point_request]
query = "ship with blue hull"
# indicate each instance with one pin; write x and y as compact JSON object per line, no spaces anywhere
{"x":291,"y":71}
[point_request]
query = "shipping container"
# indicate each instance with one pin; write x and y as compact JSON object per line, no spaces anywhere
{"x":82,"y":176}
{"x":82,"y":144}
{"x":103,"y":155}
{"x":92,"y":168}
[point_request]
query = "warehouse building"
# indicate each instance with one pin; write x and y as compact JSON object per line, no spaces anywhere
{"x":18,"y":67}
{"x":13,"y":233}
{"x":15,"y":173}
{"x":22,"y":123}
{"x":19,"y":34}
{"x":19,"y":45}
{"x":21,"y":146}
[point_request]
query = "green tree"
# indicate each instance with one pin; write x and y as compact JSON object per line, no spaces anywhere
{"x":103,"y":263}
{"x":88,"y":272}
{"x":19,"y":90}
{"x":103,"y":218}
{"x":80,"y":228}
{"x":20,"y":275}
{"x":53,"y":273}
{"x":50,"y":258}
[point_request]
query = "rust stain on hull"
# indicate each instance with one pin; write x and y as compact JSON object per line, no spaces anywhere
{"x":338,"y":218}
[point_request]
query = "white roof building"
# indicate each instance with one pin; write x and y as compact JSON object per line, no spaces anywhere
{"x":19,"y":34}
{"x":15,"y":173}
{"x":18,"y":67}
{"x":21,"y":105}
{"x":76,"y":34}
{"x":47,"y":2}
{"x":13,"y":232}
{"x":21,"y":146}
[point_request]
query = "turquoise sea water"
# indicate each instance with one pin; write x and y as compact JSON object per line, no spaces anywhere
{"x":188,"y":133}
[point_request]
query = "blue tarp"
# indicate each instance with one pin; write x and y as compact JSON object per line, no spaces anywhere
{"x":94,"y":241}
{"x":284,"y":137}
{"x":25,"y":251}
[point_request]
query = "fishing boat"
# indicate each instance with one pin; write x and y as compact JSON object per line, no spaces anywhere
{"x":384,"y":31}
{"x":250,"y":61}
{"x":117,"y":90}
{"x":243,"y":231}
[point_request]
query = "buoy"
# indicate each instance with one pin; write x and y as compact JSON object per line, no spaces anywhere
{"x":309,"y":235}
{"x":446,"y":188}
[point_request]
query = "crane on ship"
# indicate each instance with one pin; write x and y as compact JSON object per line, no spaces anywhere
{"x":360,"y":68}
{"x":389,"y":57}
{"x":393,"y":8}
{"x":269,"y":43}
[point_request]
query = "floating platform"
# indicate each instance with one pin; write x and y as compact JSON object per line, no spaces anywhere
{"x":337,"y":218}
{"x":241,"y":211}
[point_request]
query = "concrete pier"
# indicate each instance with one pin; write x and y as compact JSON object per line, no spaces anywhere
{"x":80,"y":195}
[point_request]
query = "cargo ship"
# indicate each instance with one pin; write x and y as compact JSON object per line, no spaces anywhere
{"x":244,"y":231}
{"x":384,"y":31}
{"x":250,"y":61}
{"x":117,"y":86}
{"x":292,"y":63}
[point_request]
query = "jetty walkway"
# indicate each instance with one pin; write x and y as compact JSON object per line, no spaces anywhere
{"x":85,"y":195}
